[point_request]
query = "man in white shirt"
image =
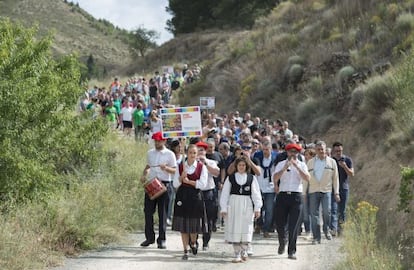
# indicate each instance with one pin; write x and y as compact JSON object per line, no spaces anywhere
{"x":208,"y":191}
{"x":291,"y":172}
{"x":161,"y":164}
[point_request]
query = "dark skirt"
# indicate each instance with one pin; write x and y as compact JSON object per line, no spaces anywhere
{"x":189,"y":211}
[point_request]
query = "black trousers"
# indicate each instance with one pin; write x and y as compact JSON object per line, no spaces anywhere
{"x":161,"y":204}
{"x":211,"y":210}
{"x":288,"y":212}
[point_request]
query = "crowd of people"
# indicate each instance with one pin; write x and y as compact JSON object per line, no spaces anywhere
{"x":245,"y":174}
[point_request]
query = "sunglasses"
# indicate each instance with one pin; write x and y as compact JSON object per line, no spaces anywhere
{"x":246,"y":147}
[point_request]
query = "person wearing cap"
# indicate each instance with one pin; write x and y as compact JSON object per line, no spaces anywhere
{"x":292,"y":173}
{"x":209,"y":194}
{"x":189,"y":211}
{"x":161,"y":164}
{"x":324,"y":176}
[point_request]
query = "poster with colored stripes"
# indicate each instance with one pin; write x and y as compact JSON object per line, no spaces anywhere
{"x":181,"y":122}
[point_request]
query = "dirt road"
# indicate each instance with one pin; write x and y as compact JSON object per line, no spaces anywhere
{"x":219,"y":256}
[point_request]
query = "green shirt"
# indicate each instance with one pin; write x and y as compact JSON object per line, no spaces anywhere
{"x":138,"y":117}
{"x":111,"y":114}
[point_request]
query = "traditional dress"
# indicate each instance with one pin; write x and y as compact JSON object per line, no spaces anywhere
{"x":189,"y":210}
{"x":240,"y":198}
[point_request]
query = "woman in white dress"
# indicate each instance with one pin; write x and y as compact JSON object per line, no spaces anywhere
{"x":240,"y":204}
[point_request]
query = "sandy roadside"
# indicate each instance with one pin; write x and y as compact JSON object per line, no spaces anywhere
{"x":219,"y":256}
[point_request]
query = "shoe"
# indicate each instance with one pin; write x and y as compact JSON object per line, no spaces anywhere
{"x":169,"y":222}
{"x":281,"y":249}
{"x":249,"y":249}
{"x":205,"y":247}
{"x":194,"y":248}
{"x":257,"y":230}
{"x":237,"y":259}
{"x":328,"y":235}
{"x":333,"y":233}
{"x":214,"y":228}
{"x":146,"y":243}
{"x":292,"y":256}
{"x":185,"y":257}
{"x":315,"y":241}
{"x":244,"y":255}
{"x":266,"y":235}
{"x":162,"y":245}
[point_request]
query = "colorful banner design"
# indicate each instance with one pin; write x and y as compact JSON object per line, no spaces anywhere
{"x":207,"y":102}
{"x":181,"y":122}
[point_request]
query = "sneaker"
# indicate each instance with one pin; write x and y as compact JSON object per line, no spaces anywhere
{"x":328,"y":235}
{"x":237,"y":260}
{"x":314,"y":241}
{"x":249,"y":249}
{"x":281,"y":249}
{"x":169,"y":223}
{"x":266,"y":235}
{"x":205,"y":247}
{"x":244,"y":255}
{"x":333,"y":233}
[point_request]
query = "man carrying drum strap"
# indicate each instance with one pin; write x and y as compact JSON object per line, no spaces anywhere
{"x":161,"y":164}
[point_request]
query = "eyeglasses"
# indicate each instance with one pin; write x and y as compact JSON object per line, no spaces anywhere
{"x":246,"y":147}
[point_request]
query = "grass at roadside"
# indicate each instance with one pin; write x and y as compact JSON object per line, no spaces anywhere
{"x":361,"y":247}
{"x":97,"y":208}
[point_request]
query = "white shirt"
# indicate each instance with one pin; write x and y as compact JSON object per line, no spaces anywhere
{"x":319,"y":167}
{"x":127,"y":113}
{"x":200,"y":183}
{"x":210,"y":180}
{"x":266,"y":184}
{"x":156,"y":125}
{"x":291,"y":179}
{"x":241,"y":179}
{"x":155,"y":158}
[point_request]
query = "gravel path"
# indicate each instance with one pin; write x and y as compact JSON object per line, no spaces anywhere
{"x":219,"y":256}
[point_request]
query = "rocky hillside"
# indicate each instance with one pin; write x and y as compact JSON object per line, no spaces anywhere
{"x":74,"y":30}
{"x":336,"y":70}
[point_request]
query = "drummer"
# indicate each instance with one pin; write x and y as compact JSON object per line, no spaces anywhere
{"x":161,"y":164}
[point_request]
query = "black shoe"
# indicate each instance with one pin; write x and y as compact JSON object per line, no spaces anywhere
{"x":292,"y":256}
{"x":214,"y":228}
{"x":316,"y":241}
{"x":185,"y":257}
{"x":162,"y":245}
{"x":194,"y":248}
{"x":146,"y":243}
{"x":281,"y":249}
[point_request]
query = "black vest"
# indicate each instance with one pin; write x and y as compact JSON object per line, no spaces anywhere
{"x":245,"y":189}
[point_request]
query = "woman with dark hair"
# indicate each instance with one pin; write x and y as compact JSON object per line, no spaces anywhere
{"x":189,"y":211}
{"x":240,"y":204}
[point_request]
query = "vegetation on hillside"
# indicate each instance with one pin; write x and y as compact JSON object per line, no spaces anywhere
{"x":62,"y":172}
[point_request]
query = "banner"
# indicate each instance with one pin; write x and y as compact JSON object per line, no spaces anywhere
{"x":181,"y":122}
{"x":168,"y":69}
{"x":207,"y":102}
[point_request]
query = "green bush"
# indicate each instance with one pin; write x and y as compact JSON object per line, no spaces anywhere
{"x":361,"y":247}
{"x":405,"y":22}
{"x":379,"y":95}
{"x":295,"y":73}
{"x":40,"y":135}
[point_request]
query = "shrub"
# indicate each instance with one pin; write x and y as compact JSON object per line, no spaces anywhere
{"x":379,"y":95}
{"x":405,"y":22}
{"x":360,"y":241}
{"x":295,"y":73}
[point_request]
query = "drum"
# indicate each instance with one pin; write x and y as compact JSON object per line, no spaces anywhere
{"x":154,"y":188}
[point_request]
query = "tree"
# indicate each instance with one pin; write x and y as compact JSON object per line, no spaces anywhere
{"x":142,"y":39}
{"x":189,"y":16}
{"x":41,"y":136}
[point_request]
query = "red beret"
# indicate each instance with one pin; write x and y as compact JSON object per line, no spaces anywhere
{"x":202,"y":144}
{"x":158,"y":136}
{"x":295,"y":146}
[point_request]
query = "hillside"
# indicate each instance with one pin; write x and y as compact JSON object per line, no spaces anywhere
{"x":335,"y":70}
{"x":74,"y":30}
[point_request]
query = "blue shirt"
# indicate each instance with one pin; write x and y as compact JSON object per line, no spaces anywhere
{"x":319,"y":167}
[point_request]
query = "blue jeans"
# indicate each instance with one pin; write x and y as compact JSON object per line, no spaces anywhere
{"x":268,"y":205}
{"x":338,"y":210}
{"x":306,"y":212}
{"x":316,"y":199}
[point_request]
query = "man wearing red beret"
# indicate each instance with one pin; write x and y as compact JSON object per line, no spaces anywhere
{"x":161,"y":164}
{"x":291,"y":173}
